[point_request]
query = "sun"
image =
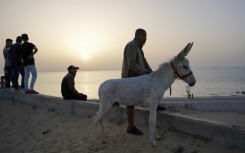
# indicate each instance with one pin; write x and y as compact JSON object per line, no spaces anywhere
{"x":85,"y":44}
{"x":85,"y":57}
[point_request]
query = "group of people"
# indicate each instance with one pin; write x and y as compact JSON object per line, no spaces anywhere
{"x":20,"y":56}
{"x":19,"y":59}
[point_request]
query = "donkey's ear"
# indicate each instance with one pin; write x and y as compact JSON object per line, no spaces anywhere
{"x":185,"y":51}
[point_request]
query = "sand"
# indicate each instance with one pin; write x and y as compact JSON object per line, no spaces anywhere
{"x":24,"y":129}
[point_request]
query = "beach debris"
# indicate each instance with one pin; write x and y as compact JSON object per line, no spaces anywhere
{"x":46,"y":131}
{"x":240,"y":92}
{"x":49,"y":109}
{"x":179,"y":149}
{"x":235,"y":126}
{"x":45,"y":110}
{"x":52,"y":109}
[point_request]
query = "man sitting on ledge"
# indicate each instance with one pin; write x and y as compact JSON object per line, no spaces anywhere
{"x":68,"y":85}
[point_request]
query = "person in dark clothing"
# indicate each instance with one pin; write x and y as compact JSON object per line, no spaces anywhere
{"x":16,"y":62}
{"x":135,"y":64}
{"x":7,"y":63}
{"x":27,"y":52}
{"x":68,"y":89}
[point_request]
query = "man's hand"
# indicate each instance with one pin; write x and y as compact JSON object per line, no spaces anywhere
{"x":148,"y":71}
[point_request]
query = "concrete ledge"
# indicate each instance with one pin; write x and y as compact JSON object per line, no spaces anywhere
{"x":84,"y":109}
{"x":217,"y":132}
{"x":232,"y":103}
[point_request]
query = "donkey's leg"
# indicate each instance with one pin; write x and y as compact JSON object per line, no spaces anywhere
{"x":155,"y":129}
{"x":95,"y":124}
{"x":110,"y":107}
{"x":156,"y":134}
{"x":97,"y":120}
{"x":105,"y":107}
{"x":153,"y":108}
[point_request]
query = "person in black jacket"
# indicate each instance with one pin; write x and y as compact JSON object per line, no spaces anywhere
{"x":16,"y":61}
{"x":68,"y":89}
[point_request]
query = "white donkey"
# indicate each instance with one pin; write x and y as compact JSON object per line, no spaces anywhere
{"x":145,"y":89}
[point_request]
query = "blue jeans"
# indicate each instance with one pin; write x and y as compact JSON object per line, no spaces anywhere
{"x":30,"y":69}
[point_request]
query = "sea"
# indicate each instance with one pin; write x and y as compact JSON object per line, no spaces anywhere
{"x":215,"y":81}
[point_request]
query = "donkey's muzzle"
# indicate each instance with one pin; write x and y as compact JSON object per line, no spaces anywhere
{"x":192,"y":83}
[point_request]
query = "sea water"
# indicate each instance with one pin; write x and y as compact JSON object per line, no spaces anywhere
{"x":210,"y":82}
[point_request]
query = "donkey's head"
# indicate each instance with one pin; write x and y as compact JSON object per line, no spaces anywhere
{"x":182,"y":68}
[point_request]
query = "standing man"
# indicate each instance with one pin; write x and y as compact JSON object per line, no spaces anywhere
{"x":16,"y":60}
{"x":27,"y":51}
{"x":68,"y":89}
{"x":7,"y":63}
{"x":135,"y":64}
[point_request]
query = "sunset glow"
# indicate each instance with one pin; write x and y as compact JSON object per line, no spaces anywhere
{"x":96,"y":32}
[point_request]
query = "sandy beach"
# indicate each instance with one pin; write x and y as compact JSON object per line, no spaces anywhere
{"x":24,"y":129}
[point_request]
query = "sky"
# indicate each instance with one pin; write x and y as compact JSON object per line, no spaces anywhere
{"x":92,"y":34}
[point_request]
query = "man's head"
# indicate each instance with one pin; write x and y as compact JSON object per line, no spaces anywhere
{"x":9,"y":42}
{"x":25,"y":37}
{"x":19,"y":40}
{"x":140,"y":35}
{"x":73,"y":69}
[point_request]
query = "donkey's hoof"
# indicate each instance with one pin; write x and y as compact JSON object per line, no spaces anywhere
{"x":157,"y":137}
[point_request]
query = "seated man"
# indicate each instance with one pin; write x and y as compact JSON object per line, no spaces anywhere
{"x":68,"y":85}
